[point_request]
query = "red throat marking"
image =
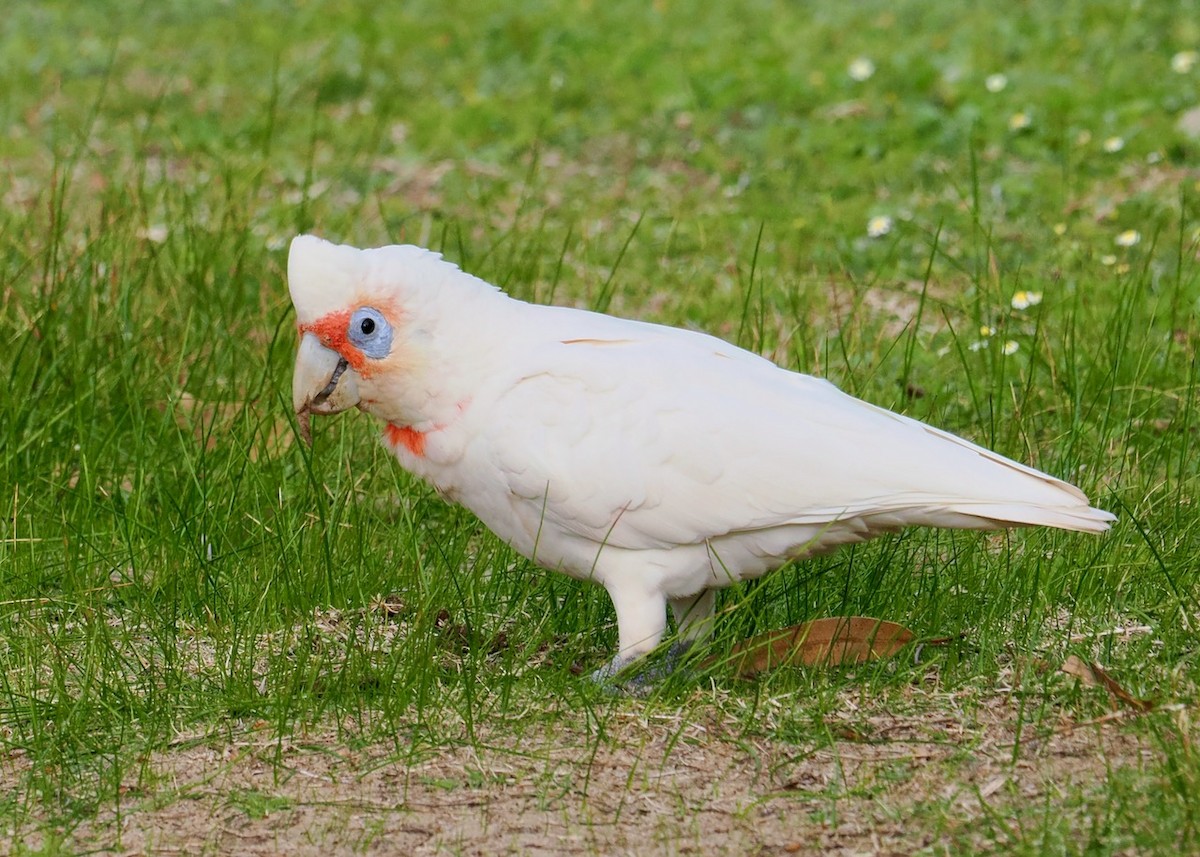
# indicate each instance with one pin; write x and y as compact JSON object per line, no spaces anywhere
{"x":408,"y":437}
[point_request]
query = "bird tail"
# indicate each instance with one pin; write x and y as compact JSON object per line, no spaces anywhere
{"x":1080,"y":518}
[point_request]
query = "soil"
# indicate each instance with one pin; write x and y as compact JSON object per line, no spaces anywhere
{"x":882,"y":784}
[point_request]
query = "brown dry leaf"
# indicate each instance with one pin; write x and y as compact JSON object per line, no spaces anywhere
{"x":1091,"y":674}
{"x":1080,"y":669}
{"x":833,"y":641}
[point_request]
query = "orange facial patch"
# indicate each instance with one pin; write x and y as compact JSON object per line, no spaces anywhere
{"x":331,"y":331}
{"x":406,"y":436}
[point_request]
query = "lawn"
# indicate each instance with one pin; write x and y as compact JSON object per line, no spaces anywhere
{"x":216,"y":639}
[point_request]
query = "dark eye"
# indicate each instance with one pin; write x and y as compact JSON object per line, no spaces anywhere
{"x":370,"y":332}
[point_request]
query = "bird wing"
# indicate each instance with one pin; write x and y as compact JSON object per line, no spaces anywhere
{"x":642,"y":437}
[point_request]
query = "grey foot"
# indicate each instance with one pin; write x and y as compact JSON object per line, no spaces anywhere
{"x":636,"y":675}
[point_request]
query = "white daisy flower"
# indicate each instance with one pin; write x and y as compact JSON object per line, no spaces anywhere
{"x":156,"y":233}
{"x":996,"y":82}
{"x":1184,"y":61}
{"x":1019,"y":121}
{"x":1011,"y":346}
{"x":1024,"y":299}
{"x":1114,"y":144}
{"x":1128,"y":238}
{"x":879,"y":226}
{"x":861,"y":69}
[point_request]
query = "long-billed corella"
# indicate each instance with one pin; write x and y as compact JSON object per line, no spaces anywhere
{"x":660,"y":463}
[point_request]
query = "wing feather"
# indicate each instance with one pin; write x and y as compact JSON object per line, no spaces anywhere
{"x":650,"y":437}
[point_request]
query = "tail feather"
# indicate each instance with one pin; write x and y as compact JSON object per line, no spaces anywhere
{"x":995,"y":516}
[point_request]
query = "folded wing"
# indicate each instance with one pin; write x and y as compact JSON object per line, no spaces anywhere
{"x":646,"y":437}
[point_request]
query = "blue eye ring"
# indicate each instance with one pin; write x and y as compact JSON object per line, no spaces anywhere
{"x":370,"y":332}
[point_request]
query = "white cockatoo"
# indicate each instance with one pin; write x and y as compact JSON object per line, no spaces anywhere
{"x":660,"y":463}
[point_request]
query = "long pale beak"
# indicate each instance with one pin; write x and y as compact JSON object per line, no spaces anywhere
{"x":322,"y":383}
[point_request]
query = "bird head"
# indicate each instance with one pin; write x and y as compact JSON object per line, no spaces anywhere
{"x":377,"y":329}
{"x":348,"y":321}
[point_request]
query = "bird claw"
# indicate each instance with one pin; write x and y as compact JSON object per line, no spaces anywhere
{"x":642,"y":676}
{"x":606,"y":676}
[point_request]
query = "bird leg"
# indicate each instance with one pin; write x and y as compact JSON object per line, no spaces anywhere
{"x":694,"y":616}
{"x":693,"y":623}
{"x":641,"y":623}
{"x":641,"y":626}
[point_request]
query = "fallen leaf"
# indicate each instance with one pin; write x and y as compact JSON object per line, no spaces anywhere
{"x":833,"y":641}
{"x":1091,"y":674}
{"x":1079,"y":668}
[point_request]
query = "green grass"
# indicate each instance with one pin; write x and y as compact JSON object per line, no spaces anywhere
{"x":173,"y":562}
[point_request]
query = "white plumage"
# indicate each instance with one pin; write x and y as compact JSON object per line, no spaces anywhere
{"x":658,"y":462}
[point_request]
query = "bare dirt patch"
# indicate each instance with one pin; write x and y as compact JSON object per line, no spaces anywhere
{"x":649,"y":784}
